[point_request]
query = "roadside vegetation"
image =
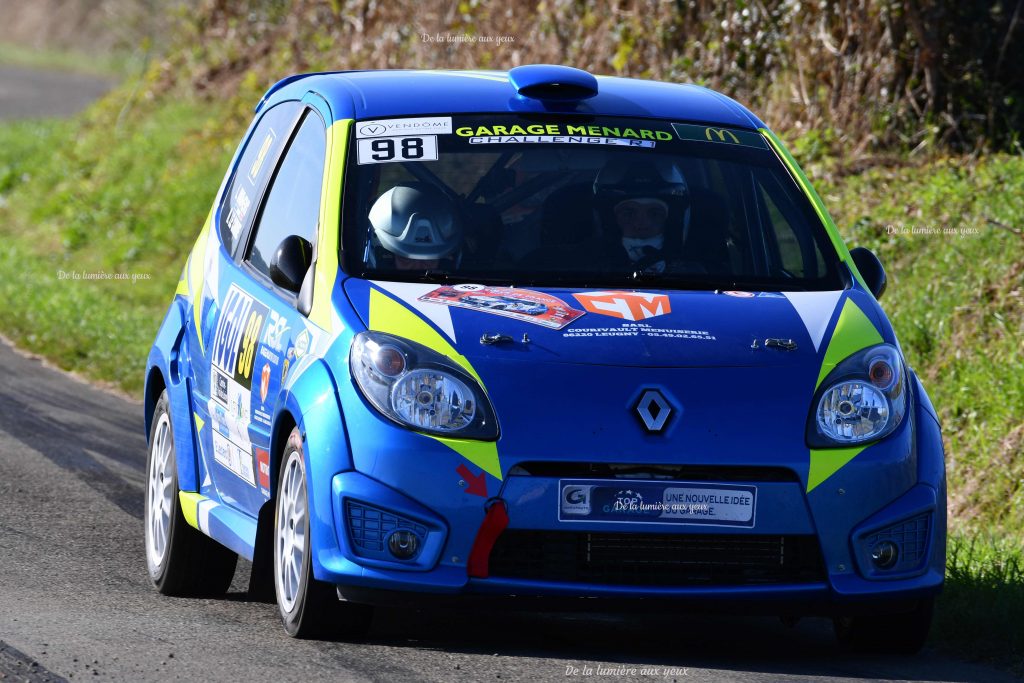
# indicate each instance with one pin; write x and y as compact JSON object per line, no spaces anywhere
{"x":949,"y":233}
{"x":930,"y":182}
{"x":978,"y":615}
{"x":86,"y":203}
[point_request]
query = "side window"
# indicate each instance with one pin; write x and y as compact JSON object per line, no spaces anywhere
{"x":243,"y":191}
{"x":785,"y":238}
{"x":795,"y":250}
{"x":293,"y":201}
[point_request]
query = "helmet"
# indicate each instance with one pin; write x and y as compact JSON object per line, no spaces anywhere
{"x":416,"y":221}
{"x":624,"y":177}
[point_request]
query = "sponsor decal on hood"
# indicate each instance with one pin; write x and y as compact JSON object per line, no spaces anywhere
{"x":650,"y":328}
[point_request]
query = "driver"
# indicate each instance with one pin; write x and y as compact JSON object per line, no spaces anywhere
{"x":416,"y":227}
{"x":636,"y":197}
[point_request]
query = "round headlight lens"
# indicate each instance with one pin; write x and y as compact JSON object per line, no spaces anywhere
{"x":433,"y":399}
{"x":881,"y":374}
{"x":852,"y":411}
{"x":388,"y":360}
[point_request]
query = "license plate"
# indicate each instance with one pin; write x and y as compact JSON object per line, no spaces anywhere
{"x":647,"y":502}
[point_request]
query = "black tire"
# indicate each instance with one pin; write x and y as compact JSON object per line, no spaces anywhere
{"x":312,"y":609}
{"x":903,"y":633}
{"x":192,"y":564}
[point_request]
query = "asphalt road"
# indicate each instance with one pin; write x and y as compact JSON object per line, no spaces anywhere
{"x":75,"y":600}
{"x":37,"y":93}
{"x":76,"y":603}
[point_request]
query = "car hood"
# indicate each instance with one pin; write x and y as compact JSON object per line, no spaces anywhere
{"x":577,"y":389}
{"x":622,"y":328}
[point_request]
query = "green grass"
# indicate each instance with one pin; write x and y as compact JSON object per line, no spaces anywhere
{"x":113,"y":193}
{"x":978,"y":614}
{"x":956,"y":301}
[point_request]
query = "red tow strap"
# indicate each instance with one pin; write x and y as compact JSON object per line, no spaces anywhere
{"x":495,"y":521}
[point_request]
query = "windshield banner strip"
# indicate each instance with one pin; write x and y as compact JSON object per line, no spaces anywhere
{"x":730,"y":136}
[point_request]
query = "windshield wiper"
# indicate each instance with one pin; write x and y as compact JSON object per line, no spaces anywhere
{"x":765,"y":286}
{"x":670,"y":281}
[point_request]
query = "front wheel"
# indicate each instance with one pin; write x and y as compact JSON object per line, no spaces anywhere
{"x":181,"y":560}
{"x":309,"y":608}
{"x":903,"y":633}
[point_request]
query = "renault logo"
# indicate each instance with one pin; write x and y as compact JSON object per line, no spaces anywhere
{"x":654,"y":410}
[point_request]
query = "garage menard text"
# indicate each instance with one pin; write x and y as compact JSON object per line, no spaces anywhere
{"x":558,"y":134}
{"x":559,"y":129}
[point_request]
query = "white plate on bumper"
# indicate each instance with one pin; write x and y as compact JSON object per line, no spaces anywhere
{"x":656,"y":502}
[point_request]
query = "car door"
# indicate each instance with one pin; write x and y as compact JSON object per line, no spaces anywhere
{"x":216,"y":263}
{"x":258,"y":322}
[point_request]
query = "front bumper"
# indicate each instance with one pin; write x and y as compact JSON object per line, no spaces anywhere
{"x":412,"y":481}
{"x":439,"y":573}
{"x":806,"y":601}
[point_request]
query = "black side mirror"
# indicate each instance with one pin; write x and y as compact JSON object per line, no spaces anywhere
{"x":871,"y":268}
{"x":291,"y":262}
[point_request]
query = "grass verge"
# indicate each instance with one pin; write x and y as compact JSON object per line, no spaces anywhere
{"x":949,"y":235}
{"x":978,"y":615}
{"x":96,"y":217}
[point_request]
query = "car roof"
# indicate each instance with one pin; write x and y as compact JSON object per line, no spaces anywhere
{"x":394,"y":93}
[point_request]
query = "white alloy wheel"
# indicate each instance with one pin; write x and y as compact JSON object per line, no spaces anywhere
{"x":181,"y":560}
{"x":290,"y":541}
{"x":159,"y":495}
{"x":309,"y":608}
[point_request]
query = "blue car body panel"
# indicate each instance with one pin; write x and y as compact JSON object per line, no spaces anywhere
{"x":565,"y":397}
{"x":375,"y":94}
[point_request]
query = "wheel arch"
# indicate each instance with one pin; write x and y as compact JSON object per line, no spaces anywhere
{"x":311,"y":400}
{"x":283,"y":426}
{"x":154,"y":388}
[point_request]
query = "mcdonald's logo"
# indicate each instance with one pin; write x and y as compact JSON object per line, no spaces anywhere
{"x":721,"y":133}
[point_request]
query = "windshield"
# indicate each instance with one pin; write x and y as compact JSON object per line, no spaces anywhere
{"x":564,"y":200}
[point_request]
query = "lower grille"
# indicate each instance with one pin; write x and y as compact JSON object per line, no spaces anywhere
{"x":656,"y":559}
{"x":369,"y":527}
{"x":910,"y":536}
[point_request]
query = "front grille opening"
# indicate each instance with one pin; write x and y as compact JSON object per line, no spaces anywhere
{"x":657,"y":559}
{"x":592,"y":470}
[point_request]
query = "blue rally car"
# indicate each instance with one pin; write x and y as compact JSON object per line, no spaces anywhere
{"x":687,"y":398}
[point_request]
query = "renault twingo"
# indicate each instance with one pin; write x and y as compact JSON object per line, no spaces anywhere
{"x":688,"y":396}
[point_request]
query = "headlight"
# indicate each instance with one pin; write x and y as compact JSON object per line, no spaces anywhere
{"x":863,"y":399}
{"x":419,"y":388}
